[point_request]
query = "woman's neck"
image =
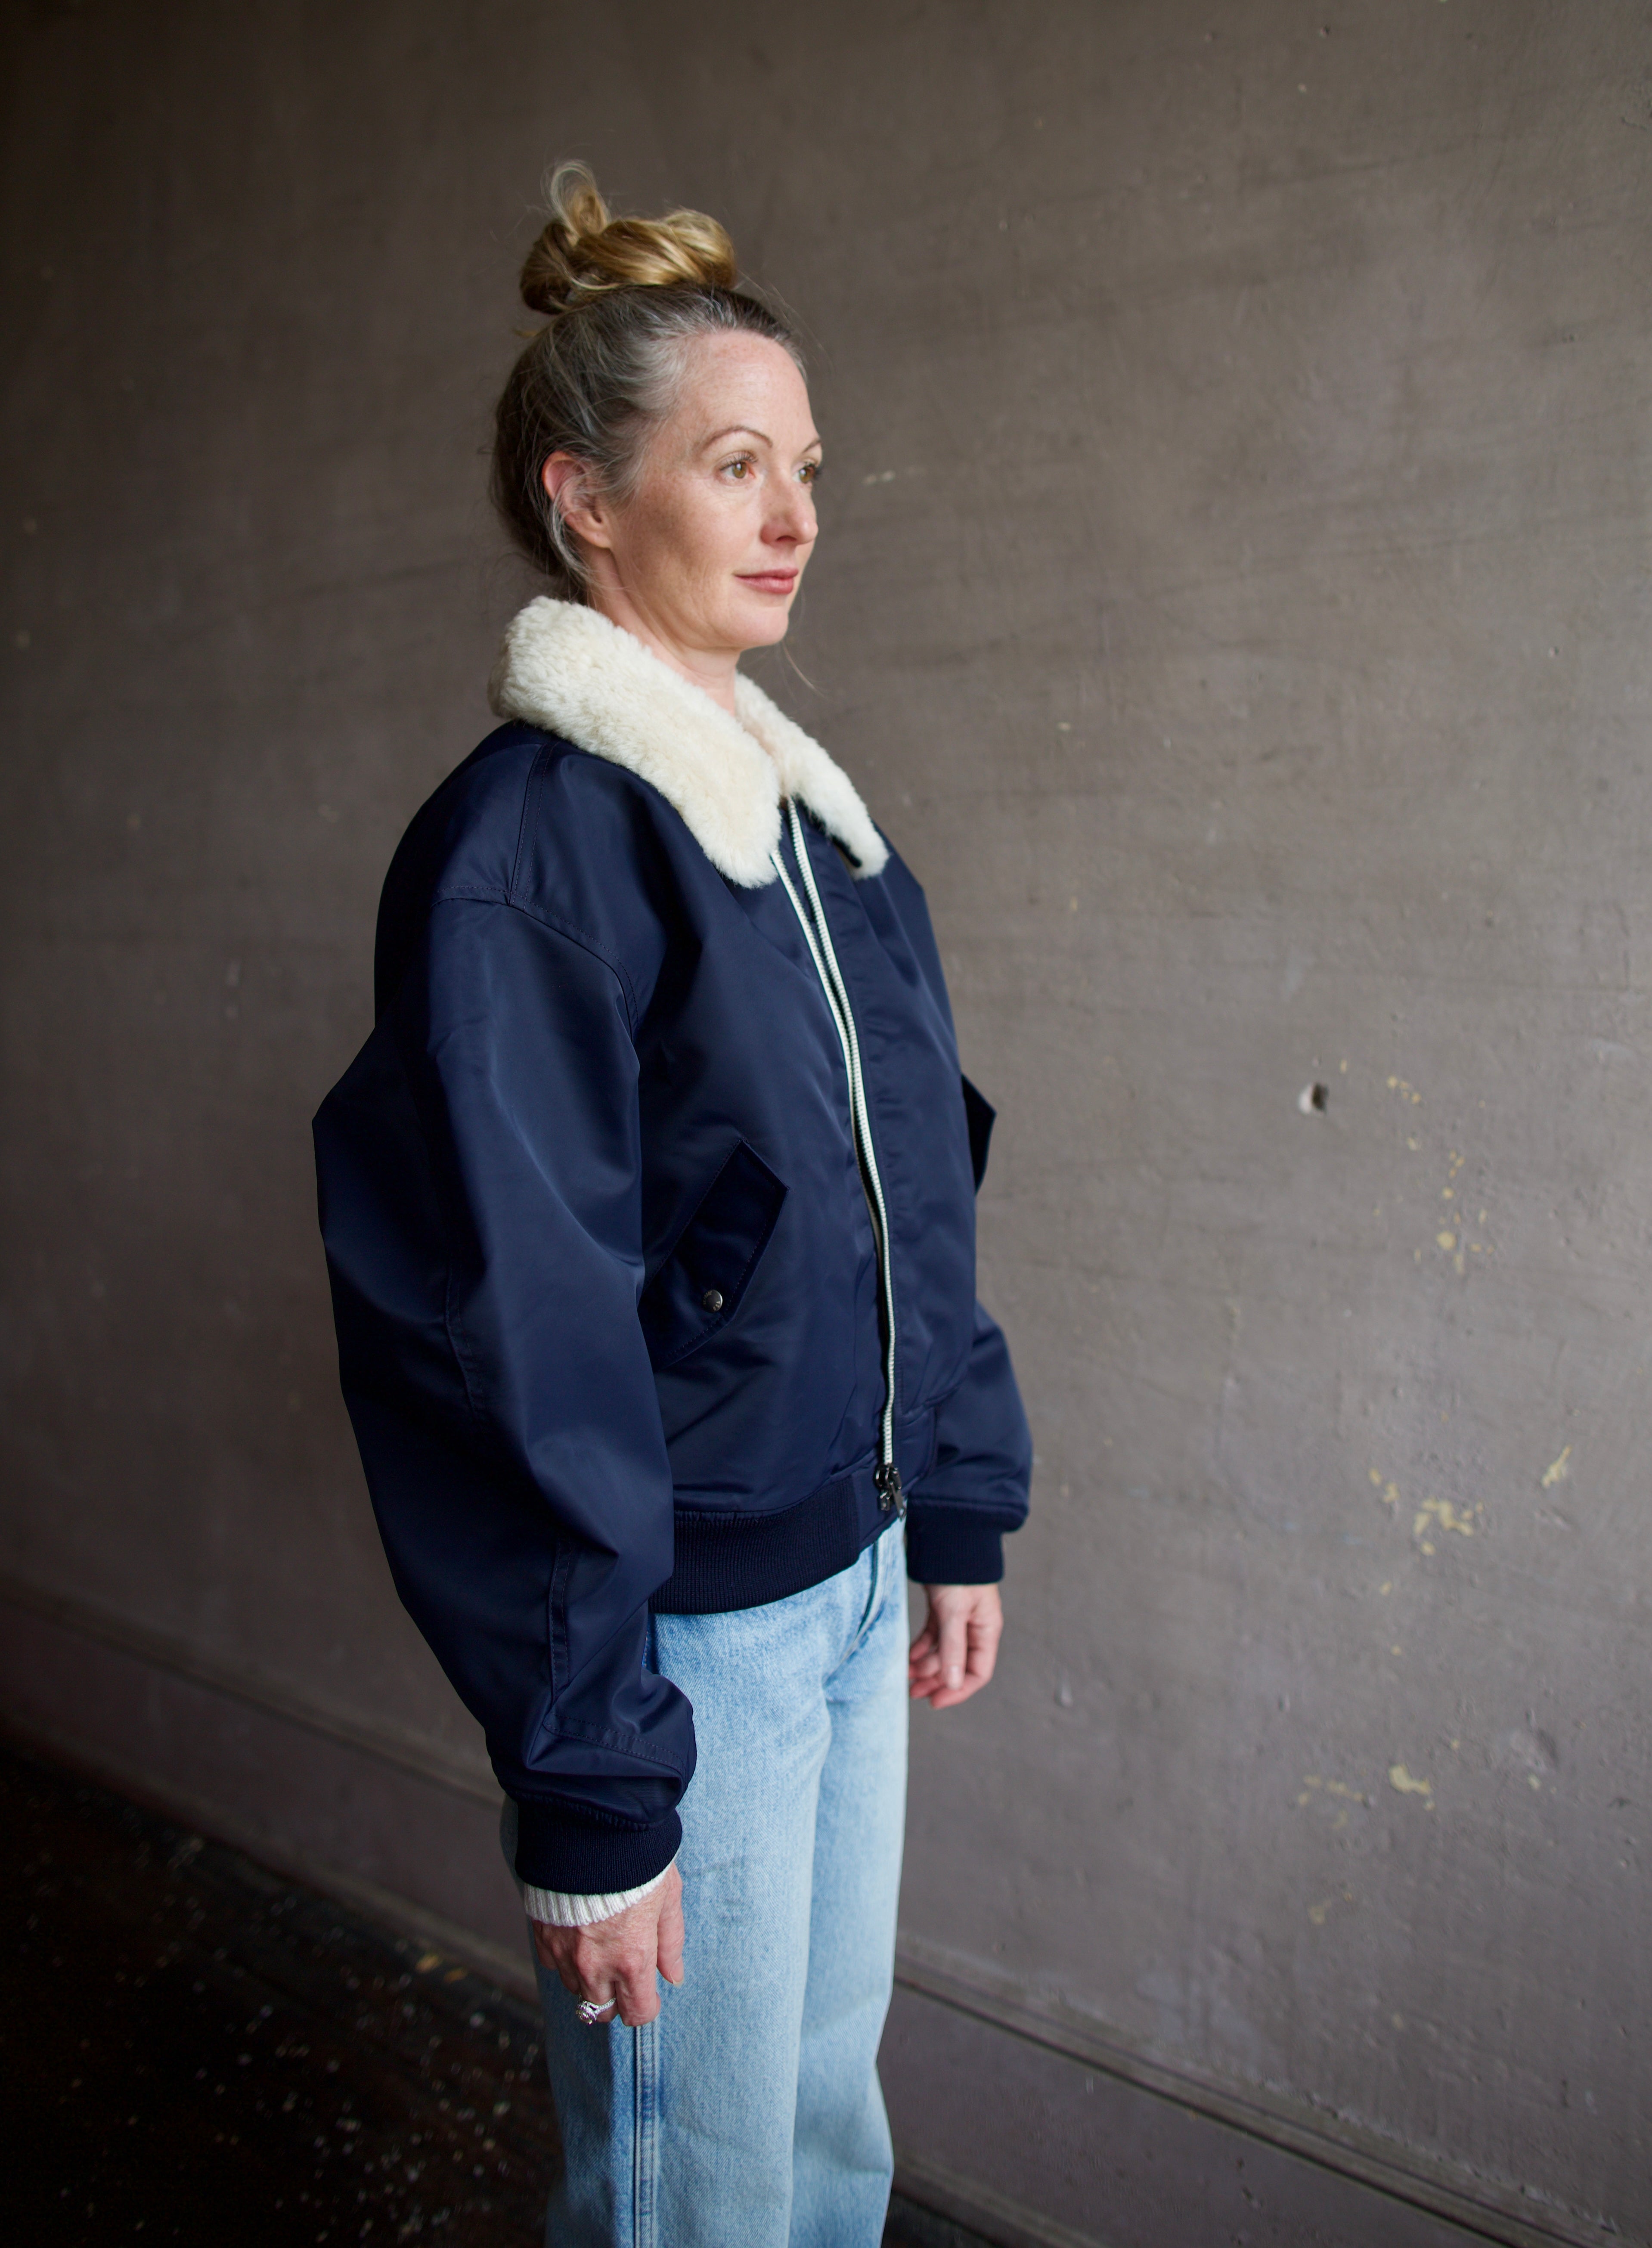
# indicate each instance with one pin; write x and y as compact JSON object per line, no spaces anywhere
{"x":712,"y":671}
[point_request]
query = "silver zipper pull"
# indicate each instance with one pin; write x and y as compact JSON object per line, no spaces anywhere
{"x":891,"y":1497}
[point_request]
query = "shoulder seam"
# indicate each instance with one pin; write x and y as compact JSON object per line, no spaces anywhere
{"x":530,"y":789}
{"x":586,"y":943}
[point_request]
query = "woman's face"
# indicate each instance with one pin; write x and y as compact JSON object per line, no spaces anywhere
{"x":707,"y":553}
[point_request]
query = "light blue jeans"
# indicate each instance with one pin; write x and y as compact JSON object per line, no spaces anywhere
{"x":750,"y":2112}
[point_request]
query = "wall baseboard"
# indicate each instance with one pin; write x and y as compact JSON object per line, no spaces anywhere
{"x":399,"y":1746}
{"x":360,"y":1817}
{"x":979,"y":2210}
{"x":1481,"y":2208}
{"x":502,"y":1963}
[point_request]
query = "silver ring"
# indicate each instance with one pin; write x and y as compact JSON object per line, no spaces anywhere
{"x":591,"y":2013}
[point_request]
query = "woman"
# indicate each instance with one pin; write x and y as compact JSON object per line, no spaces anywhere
{"x":648,"y":1208}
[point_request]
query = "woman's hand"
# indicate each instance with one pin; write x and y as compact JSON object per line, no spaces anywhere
{"x":616,"y":1959}
{"x":952,"y":1656}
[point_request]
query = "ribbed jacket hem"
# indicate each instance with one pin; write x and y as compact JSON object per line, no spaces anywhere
{"x":728,"y":1561}
{"x":580,"y":1857}
{"x":946,"y":1545}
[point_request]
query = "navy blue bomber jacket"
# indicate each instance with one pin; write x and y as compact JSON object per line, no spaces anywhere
{"x":657,"y":1163}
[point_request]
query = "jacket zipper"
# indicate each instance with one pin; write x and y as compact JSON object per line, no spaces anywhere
{"x":818,"y":936}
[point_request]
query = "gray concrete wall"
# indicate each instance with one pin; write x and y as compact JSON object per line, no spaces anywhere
{"x":1233,"y":597}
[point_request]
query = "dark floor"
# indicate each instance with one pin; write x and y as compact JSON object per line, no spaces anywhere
{"x":194,"y":2050}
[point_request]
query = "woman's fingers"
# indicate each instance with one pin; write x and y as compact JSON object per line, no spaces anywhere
{"x":551,"y":1948}
{"x":953,"y":1650}
{"x":615,"y":1961}
{"x":636,"y":1987}
{"x":958,"y":1650}
{"x":671,"y":1930}
{"x":621,"y":1980}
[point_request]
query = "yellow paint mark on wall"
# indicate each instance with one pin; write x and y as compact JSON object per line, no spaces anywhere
{"x":1313,"y":1783}
{"x":1446,"y":1240}
{"x":1403,"y":1784}
{"x":1406,"y":1092}
{"x":1441,"y":1511}
{"x":1317,"y":1912}
{"x":1558,"y":1471}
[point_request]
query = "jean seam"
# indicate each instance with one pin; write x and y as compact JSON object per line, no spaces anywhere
{"x":645,"y":2135}
{"x":874,"y":1607}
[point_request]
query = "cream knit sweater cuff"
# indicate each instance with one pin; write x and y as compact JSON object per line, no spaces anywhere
{"x":567,"y":1908}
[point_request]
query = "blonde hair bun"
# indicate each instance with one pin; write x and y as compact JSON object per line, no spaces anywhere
{"x":584,"y":252}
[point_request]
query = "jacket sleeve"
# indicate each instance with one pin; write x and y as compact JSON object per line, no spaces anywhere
{"x":977,"y":1487}
{"x":480,"y":1201}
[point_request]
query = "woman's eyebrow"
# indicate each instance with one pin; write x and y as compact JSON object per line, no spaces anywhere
{"x":746,"y":429}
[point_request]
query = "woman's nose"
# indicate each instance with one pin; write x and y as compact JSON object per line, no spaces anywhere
{"x":792,"y":522}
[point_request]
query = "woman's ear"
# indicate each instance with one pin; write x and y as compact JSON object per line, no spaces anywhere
{"x":568,"y":481}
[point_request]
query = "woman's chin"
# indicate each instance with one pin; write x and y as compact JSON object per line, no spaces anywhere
{"x":764,"y":623}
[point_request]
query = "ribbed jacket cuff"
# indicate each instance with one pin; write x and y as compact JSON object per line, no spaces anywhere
{"x":947,"y":1546}
{"x":582,"y":1858}
{"x":565,"y":1908}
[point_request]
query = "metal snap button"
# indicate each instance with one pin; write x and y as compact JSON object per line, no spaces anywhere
{"x":712,"y":1300}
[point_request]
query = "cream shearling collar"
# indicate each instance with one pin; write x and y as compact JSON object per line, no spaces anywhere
{"x":567,"y":668}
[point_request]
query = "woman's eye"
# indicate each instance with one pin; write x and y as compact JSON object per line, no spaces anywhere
{"x":810,"y":472}
{"x":740,"y":469}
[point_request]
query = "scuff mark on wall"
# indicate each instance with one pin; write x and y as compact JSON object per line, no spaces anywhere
{"x":1318,"y":1913}
{"x":1403,"y":1784}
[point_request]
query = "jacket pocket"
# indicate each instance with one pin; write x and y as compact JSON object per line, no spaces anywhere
{"x":980,"y":1116}
{"x":699,"y":1287}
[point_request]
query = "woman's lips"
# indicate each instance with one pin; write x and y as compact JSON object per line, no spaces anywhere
{"x":770,"y":581}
